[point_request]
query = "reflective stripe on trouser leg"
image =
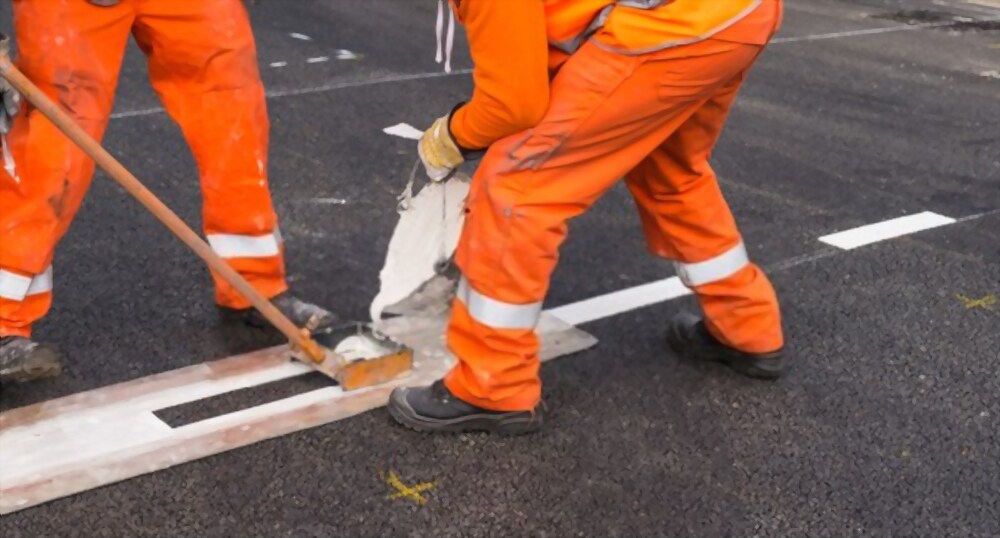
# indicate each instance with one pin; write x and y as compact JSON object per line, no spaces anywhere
{"x":498,"y":314}
{"x":23,"y":300}
{"x":497,"y":369}
{"x":258,"y":258}
{"x":713,"y":269}
{"x":246,"y":246}
{"x":15,"y":287}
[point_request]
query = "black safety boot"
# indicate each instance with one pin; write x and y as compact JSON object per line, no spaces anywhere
{"x":300,"y":312}
{"x":23,"y":360}
{"x":435,"y":409}
{"x":689,"y":338}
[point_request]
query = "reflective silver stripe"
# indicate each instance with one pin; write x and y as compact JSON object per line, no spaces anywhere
{"x":497,"y":314}
{"x":245,"y":246}
{"x":641,"y":4}
{"x":41,"y":283}
{"x":16,"y":287}
{"x":570,"y":46}
{"x":713,"y":269}
{"x":13,"y":286}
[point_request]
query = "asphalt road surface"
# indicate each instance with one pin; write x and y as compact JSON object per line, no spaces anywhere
{"x":888,"y":425}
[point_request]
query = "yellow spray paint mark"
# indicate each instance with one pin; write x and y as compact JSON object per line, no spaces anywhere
{"x":986,"y":302}
{"x":406,"y":492}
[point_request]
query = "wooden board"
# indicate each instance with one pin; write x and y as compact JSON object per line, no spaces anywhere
{"x":87,"y":440}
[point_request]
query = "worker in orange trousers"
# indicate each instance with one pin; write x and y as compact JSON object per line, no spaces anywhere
{"x":202,"y":63}
{"x":571,"y":96}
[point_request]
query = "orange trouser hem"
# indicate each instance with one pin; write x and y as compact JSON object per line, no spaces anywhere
{"x":497,"y":369}
{"x":653,"y":119}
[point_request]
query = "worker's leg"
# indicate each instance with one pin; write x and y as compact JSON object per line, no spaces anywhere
{"x":687,"y":220}
{"x":607,"y":113}
{"x":203,"y":65}
{"x":73,"y":52}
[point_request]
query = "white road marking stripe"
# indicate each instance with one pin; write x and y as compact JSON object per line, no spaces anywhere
{"x":317,"y":59}
{"x":874,"y":31}
{"x":629,"y":299}
{"x":279,"y":64}
{"x":344,"y":54}
{"x":297,"y":35}
{"x":404,"y":130}
{"x":618,"y":302}
{"x":880,"y":231}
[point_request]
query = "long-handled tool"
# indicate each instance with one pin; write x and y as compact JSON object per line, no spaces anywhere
{"x":350,"y":374}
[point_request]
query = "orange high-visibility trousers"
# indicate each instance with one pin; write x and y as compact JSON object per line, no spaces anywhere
{"x":652,"y":119}
{"x":203,"y":65}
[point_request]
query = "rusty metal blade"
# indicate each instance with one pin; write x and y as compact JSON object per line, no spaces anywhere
{"x":368,"y":372}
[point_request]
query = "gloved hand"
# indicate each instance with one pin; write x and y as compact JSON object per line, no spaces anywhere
{"x":10,"y":100}
{"x":438,"y":150}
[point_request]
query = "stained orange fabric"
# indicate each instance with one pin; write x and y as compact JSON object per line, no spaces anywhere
{"x":203,"y":66}
{"x":509,"y":42}
{"x":652,"y":118}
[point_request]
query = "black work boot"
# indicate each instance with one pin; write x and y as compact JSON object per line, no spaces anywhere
{"x":300,"y":312}
{"x":435,"y":409}
{"x":23,"y":360}
{"x":689,"y":338}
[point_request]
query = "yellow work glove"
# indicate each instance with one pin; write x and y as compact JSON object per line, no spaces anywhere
{"x":438,"y":150}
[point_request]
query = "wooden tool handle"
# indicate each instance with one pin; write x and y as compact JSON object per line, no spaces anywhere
{"x":129,"y":182}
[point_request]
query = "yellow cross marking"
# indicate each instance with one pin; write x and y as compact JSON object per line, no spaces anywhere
{"x":986,"y":302}
{"x":406,"y":492}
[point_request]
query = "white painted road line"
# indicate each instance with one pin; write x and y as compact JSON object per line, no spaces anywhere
{"x":278,"y":64}
{"x":880,"y":231}
{"x":317,"y":59}
{"x":344,"y":54}
{"x":618,"y":302}
{"x":303,"y":37}
{"x":876,"y":31}
{"x":404,"y":130}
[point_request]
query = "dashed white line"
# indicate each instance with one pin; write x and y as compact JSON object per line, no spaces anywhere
{"x":618,"y":302}
{"x":278,"y":64}
{"x":621,"y":301}
{"x":874,"y":31}
{"x":333,"y":86}
{"x":302,"y":37}
{"x":888,"y":229}
{"x":318,"y":59}
{"x":344,"y":54}
{"x":330,"y":201}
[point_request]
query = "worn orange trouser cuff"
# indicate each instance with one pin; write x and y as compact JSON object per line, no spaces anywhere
{"x":497,"y":368}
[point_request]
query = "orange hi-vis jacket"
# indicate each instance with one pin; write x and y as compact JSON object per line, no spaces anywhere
{"x":515,"y":44}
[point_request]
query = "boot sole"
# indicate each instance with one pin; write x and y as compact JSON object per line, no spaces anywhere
{"x":509,"y":425}
{"x":765,"y":368}
{"x":46,"y":365}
